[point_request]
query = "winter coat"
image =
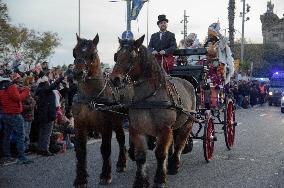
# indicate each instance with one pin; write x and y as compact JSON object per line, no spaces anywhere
{"x":46,"y":107}
{"x":11,"y":99}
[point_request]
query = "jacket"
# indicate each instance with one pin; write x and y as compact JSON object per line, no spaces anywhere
{"x":11,"y":99}
{"x":166,"y":43}
{"x":45,"y":99}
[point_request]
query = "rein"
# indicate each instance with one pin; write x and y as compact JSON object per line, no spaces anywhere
{"x":95,"y":102}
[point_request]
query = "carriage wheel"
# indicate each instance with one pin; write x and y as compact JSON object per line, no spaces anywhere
{"x":208,"y":139}
{"x":229,"y":125}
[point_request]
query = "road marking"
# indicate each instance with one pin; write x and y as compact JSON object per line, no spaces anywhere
{"x":261,"y":115}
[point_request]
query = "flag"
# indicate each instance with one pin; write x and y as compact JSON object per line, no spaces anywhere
{"x":136,"y":7}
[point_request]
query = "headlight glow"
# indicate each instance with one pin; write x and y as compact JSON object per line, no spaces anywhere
{"x":270,"y":93}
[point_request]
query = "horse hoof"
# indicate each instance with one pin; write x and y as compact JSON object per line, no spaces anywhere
{"x":105,"y":181}
{"x":120,"y":169}
{"x":141,"y":183}
{"x":172,"y":171}
{"x":81,"y":186}
{"x":131,"y":154}
{"x":159,"y":185}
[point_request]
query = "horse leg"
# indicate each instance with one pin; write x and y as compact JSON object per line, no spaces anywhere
{"x":139,"y":142}
{"x":131,"y":150}
{"x":81,"y":155}
{"x":164,"y":141}
{"x":122,"y":158}
{"x":180,"y":141}
{"x":105,"y":176}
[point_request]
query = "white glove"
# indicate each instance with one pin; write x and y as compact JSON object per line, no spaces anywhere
{"x":162,"y":52}
{"x":154,"y":52}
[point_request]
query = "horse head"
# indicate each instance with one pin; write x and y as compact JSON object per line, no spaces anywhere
{"x":86,"y":57}
{"x":129,"y":61}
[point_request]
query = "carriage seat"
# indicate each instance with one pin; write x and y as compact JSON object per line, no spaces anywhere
{"x":192,"y":73}
{"x":189,"y":52}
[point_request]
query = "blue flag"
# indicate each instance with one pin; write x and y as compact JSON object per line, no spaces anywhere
{"x":136,"y":7}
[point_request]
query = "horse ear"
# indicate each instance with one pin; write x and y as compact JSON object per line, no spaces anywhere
{"x":78,"y":38}
{"x":74,"y":54}
{"x":139,"y":41}
{"x":96,"y":39}
{"x":119,"y":40}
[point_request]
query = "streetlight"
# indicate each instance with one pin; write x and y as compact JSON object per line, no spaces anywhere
{"x":79,"y":19}
{"x":242,"y":14}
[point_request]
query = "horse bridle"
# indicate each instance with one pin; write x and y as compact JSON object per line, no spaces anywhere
{"x":83,"y":60}
{"x":129,"y":68}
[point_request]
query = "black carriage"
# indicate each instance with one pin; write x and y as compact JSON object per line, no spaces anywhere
{"x":215,"y":104}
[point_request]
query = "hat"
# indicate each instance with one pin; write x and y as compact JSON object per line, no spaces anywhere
{"x":161,"y":18}
{"x":42,"y":79}
{"x":4,"y":79}
{"x":127,"y":35}
{"x":214,"y":29}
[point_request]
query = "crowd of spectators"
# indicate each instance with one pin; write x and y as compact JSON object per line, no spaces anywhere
{"x":249,"y":93}
{"x":35,"y":113}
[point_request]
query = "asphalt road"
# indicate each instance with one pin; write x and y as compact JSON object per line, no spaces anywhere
{"x":257,"y":160}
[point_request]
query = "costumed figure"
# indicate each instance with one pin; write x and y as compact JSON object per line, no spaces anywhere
{"x":190,"y":42}
{"x":221,"y":66}
{"x":163,"y":44}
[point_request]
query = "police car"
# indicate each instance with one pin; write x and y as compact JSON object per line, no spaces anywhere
{"x":276,"y":88}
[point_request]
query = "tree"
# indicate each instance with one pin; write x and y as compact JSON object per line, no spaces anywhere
{"x":231,"y":18}
{"x":266,"y":58}
{"x":20,"y":43}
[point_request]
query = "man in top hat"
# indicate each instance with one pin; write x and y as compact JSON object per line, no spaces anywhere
{"x":163,"y":44}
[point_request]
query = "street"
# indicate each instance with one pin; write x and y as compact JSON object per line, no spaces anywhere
{"x":257,"y":160}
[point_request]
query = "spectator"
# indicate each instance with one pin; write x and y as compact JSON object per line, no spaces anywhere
{"x":28,"y":115}
{"x":72,"y":90}
{"x":3,"y":84}
{"x":262,"y":93}
{"x":11,"y":100}
{"x":253,"y":95}
{"x":46,"y":109}
{"x":44,"y":67}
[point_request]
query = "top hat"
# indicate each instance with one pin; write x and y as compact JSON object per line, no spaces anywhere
{"x":161,"y":18}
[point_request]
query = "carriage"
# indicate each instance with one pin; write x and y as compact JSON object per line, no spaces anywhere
{"x":215,"y":104}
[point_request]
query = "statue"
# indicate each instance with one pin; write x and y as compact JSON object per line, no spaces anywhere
{"x":270,"y":7}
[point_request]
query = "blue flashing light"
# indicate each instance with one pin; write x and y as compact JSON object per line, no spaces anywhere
{"x":277,"y":73}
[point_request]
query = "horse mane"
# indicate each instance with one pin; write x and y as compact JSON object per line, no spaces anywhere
{"x":152,"y":69}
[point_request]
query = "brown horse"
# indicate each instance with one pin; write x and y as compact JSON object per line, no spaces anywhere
{"x":160,"y":106}
{"x":93,"y":88}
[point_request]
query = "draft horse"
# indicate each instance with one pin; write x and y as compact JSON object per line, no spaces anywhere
{"x":94,"y":88}
{"x":161,"y":105}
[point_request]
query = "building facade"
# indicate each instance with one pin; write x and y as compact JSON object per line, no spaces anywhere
{"x":272,"y":27}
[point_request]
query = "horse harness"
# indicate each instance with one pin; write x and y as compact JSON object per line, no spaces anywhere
{"x":95,"y":102}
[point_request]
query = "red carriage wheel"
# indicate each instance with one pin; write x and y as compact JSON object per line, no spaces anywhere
{"x":208,"y":139}
{"x":229,"y":125}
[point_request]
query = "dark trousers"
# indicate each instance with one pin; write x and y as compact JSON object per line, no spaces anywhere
{"x":45,"y":130}
{"x":14,"y":123}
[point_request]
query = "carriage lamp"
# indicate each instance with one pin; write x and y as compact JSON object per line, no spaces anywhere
{"x":270,"y":93}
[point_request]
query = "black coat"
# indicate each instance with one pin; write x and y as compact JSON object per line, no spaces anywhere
{"x":167,"y":43}
{"x":46,"y":108}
